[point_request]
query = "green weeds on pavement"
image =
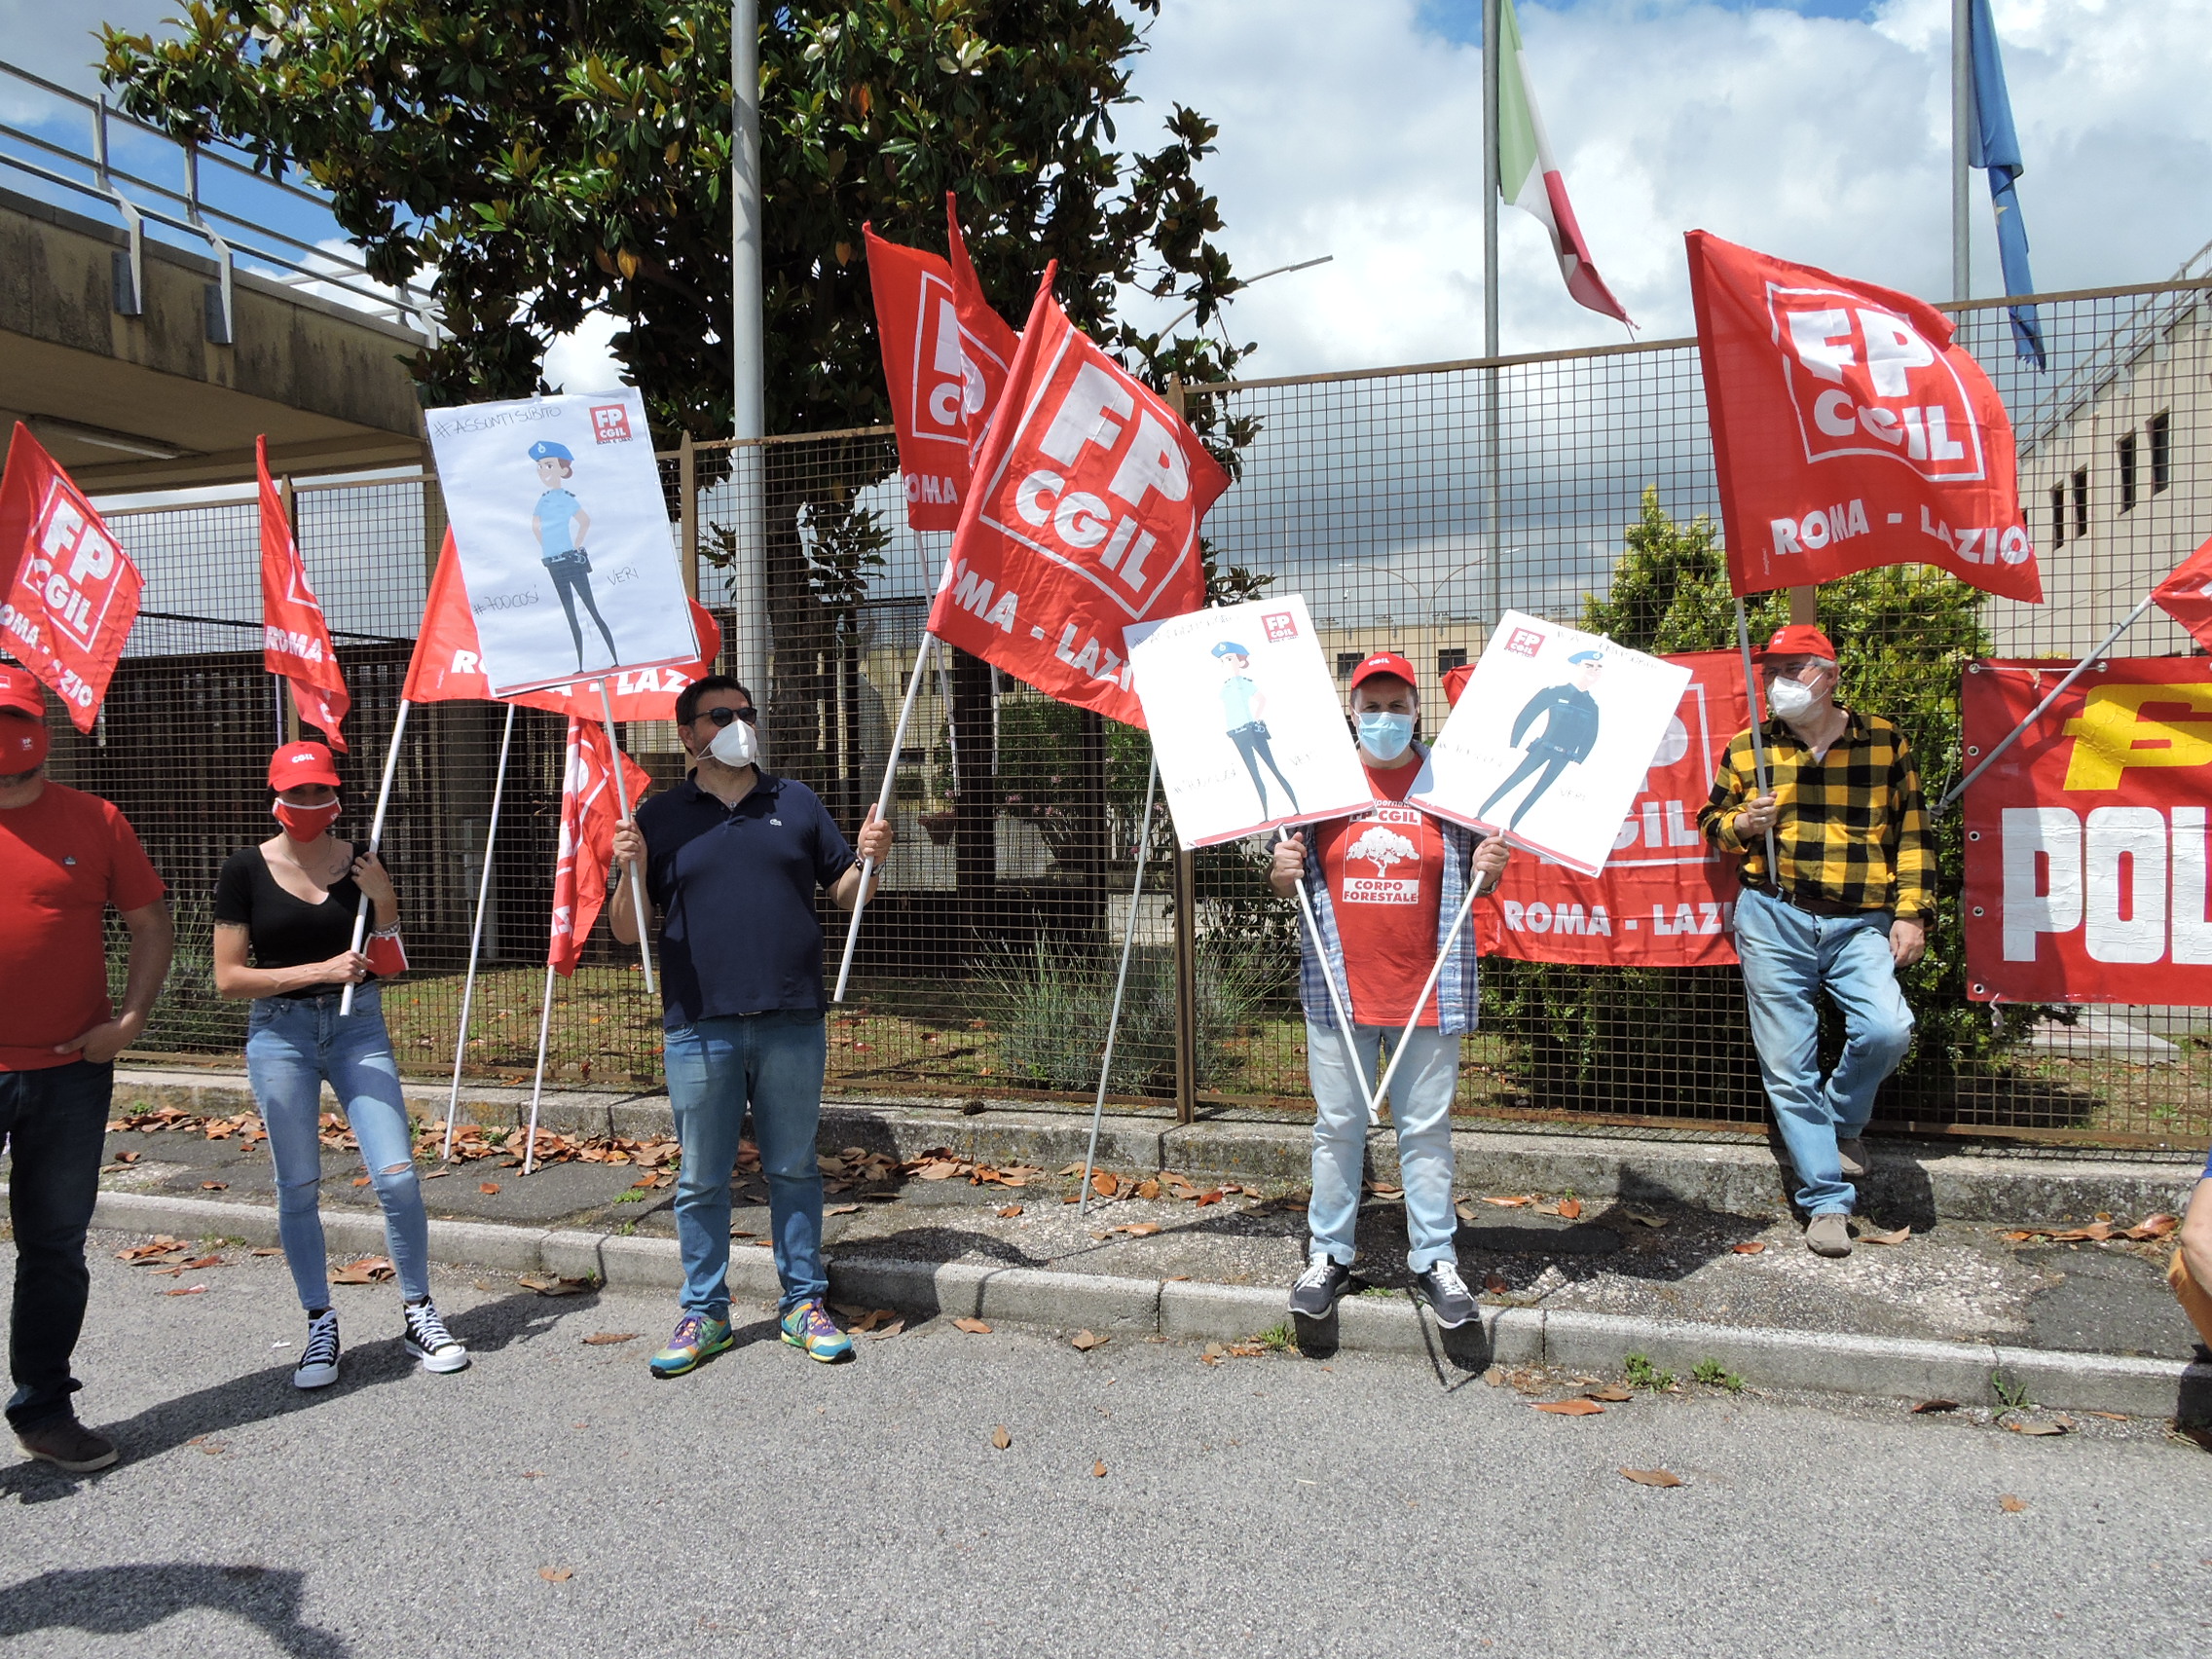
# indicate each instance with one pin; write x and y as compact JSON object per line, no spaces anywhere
{"x":1642,"y":1374}
{"x":1715,"y":1374}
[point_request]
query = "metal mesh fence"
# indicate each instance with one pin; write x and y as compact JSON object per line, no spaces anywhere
{"x":1409,"y":508}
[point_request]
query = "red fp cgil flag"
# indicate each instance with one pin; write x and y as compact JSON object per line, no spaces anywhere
{"x":589,"y":814}
{"x":1083,"y":519}
{"x":933,"y":373}
{"x":1849,"y":430}
{"x":73,"y":591}
{"x":2187,"y":595}
{"x":986,"y":341}
{"x":295,"y":638}
{"x":447,"y":667}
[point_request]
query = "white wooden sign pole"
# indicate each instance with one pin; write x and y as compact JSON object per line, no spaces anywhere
{"x":476,"y":931}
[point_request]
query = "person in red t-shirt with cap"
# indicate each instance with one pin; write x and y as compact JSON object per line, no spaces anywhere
{"x":1384,"y":886}
{"x":65,"y":857}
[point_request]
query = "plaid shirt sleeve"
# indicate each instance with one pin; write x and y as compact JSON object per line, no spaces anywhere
{"x":1912,"y":852}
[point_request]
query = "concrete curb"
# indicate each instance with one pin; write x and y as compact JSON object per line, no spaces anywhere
{"x":1912,"y":1183}
{"x":1817,"y":1361}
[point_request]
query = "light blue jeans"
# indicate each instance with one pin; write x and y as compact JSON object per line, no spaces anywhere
{"x":773,"y":1062}
{"x":292,"y":1046}
{"x":1421,"y":1109}
{"x":1788,"y":958}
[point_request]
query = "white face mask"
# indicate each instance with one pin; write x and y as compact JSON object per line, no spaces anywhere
{"x":1790,"y":698}
{"x":735,"y":745}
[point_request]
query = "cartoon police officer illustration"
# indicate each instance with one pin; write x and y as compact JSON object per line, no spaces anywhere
{"x":1243,"y":706}
{"x":561,"y":526}
{"x":1570,"y":732}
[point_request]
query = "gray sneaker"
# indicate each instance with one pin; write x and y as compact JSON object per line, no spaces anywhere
{"x":1829,"y":1235}
{"x":1314,"y":1294}
{"x":1853,"y":1153}
{"x":67,"y":1443}
{"x":1447,"y":1295}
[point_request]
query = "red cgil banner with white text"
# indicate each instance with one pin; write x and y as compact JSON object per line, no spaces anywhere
{"x":2085,"y":879}
{"x":1666,"y":898}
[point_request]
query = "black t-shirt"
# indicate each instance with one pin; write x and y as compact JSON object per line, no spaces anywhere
{"x":286,"y":932}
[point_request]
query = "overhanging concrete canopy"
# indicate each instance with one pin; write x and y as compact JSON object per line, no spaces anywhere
{"x":149,"y":402}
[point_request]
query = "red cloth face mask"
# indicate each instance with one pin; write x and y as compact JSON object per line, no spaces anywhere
{"x":23,"y":746}
{"x":304,"y":823}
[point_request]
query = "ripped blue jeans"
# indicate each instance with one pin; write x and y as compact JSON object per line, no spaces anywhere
{"x":292,"y":1046}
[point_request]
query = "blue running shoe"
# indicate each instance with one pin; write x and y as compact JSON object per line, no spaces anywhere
{"x":697,"y":1340}
{"x":809,"y":1326}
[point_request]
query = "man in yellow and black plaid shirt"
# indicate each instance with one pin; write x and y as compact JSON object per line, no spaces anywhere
{"x":1855,"y":894}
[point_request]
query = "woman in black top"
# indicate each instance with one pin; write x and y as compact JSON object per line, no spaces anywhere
{"x":289,"y":903}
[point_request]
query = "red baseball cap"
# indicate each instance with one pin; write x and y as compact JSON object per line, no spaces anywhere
{"x":1384,"y":662}
{"x":299,"y":763}
{"x":1799,"y":638}
{"x":20,"y":693}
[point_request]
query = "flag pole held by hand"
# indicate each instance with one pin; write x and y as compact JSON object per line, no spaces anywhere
{"x":622,"y":805}
{"x":1758,"y":738}
{"x":883,"y":813}
{"x":1336,"y":999}
{"x":375,"y":840}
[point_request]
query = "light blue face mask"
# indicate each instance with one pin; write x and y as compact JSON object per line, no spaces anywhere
{"x":1385,"y":736}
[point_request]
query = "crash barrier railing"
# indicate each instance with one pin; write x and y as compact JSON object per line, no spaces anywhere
{"x":987,"y":964}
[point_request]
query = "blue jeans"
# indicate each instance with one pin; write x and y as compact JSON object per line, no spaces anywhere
{"x":1421,"y":1090}
{"x":1788,"y":958}
{"x":54,"y":1123}
{"x":292,"y":1045}
{"x":773,"y":1062}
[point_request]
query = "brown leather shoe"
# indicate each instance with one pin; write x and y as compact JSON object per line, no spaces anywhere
{"x":1853,"y":1153}
{"x":1829,"y":1235}
{"x":67,"y":1443}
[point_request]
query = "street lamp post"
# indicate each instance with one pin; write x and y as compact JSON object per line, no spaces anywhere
{"x":749,"y":568}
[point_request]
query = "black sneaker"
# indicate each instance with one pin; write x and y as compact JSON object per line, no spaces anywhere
{"x":1447,"y":1295}
{"x":67,"y":1443}
{"x":430,"y":1342}
{"x":319,"y":1364}
{"x":1315,"y":1295}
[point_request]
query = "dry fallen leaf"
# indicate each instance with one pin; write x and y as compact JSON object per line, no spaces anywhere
{"x":1000,"y":1438}
{"x":1510,"y":1204}
{"x":1137,"y":1229}
{"x":604,"y":1339}
{"x":1613,"y":1391}
{"x":1098,"y":1471}
{"x":1570,"y":1408}
{"x":185,"y":1290}
{"x":1644,"y":1218}
{"x":974,"y":1327}
{"x":1569,"y":1208}
{"x":215,"y":1186}
{"x":2012,"y":1505}
{"x":205,"y":1262}
{"x":890,"y":1330}
{"x":1148,"y":1189}
{"x":361,"y":1180}
{"x":842,"y":1209}
{"x":2111,"y":1417}
{"x":1897,"y":1237}
{"x":1749,"y":1247}
{"x":1927,"y":1405}
{"x":1105,"y":1183}
{"x":1086,"y":1340}
{"x":369,"y":1270}
{"x":2153,"y":1227}
{"x":268,"y":1250}
{"x":556,"y":1574}
{"x":1494,"y":1283}
{"x":1653,"y":1477}
{"x":2018,"y":1427}
{"x":486,"y":1186}
{"x":549,"y":1286}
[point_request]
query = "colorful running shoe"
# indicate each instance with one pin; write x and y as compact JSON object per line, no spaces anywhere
{"x":809,"y":1326}
{"x":697,"y":1340}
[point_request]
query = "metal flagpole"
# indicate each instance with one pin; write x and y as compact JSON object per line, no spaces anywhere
{"x":1121,"y":983}
{"x":476,"y":931}
{"x":1493,"y":576}
{"x":951,"y":729}
{"x":1962,"y":142}
{"x":2040,"y":708}
{"x":375,"y":840}
{"x":1336,"y":999}
{"x":882,"y":811}
{"x":538,"y":1084}
{"x":1758,"y":738}
{"x":1427,"y":990}
{"x":622,"y":805}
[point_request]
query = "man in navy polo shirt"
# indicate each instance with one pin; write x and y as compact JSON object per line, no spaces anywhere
{"x":733,"y":857}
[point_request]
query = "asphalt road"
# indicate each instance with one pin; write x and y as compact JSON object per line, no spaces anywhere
{"x":1261,"y":1505}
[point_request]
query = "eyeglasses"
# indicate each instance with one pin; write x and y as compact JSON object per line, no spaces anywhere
{"x":722,"y":716}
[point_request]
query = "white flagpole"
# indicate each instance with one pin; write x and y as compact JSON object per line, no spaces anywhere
{"x":476,"y":931}
{"x":951,"y":731}
{"x":2040,"y":708}
{"x":882,"y":812}
{"x":375,"y":840}
{"x":1758,"y":739}
{"x":622,"y":805}
{"x":1428,"y":988}
{"x":1121,"y":983}
{"x":1336,"y":1000}
{"x":537,"y":1086}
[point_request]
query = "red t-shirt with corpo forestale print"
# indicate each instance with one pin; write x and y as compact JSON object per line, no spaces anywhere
{"x":63,"y":860}
{"x":1386,"y":874}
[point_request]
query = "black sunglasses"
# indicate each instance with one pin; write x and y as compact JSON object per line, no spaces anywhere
{"x":722,"y":716}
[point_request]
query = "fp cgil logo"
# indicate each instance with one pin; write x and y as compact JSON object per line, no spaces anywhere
{"x":1865,"y":382}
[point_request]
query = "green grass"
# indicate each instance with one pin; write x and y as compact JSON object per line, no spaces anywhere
{"x":1715,"y":1374}
{"x":1278,"y":1338}
{"x":1642,"y":1374}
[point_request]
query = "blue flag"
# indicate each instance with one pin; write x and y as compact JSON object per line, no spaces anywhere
{"x":1995,"y":145}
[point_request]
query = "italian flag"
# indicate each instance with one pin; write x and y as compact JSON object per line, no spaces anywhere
{"x":1529,"y":175}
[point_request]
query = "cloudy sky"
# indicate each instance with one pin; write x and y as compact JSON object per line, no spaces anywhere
{"x":1813,"y":129}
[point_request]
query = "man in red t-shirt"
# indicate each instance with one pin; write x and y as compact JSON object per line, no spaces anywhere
{"x":1384,"y":886}
{"x":65,"y":857}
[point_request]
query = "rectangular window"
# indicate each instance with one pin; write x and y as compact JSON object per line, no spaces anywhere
{"x":2127,"y":451}
{"x":1450,"y":657}
{"x":2058,"y":515}
{"x":2161,"y":452}
{"x":2081,"y":504}
{"x":1347,"y":661}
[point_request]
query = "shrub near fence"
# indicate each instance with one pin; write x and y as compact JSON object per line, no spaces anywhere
{"x":1370,"y":493}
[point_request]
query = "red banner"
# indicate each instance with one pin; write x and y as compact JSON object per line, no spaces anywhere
{"x":2085,"y":875}
{"x":988,"y":343}
{"x":295,"y":640}
{"x":2187,"y":595}
{"x":446,"y":667}
{"x":938,"y":376}
{"x":1089,"y":490}
{"x":74,"y":591}
{"x":589,"y":813}
{"x":1666,"y":896}
{"x":1849,"y":430}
